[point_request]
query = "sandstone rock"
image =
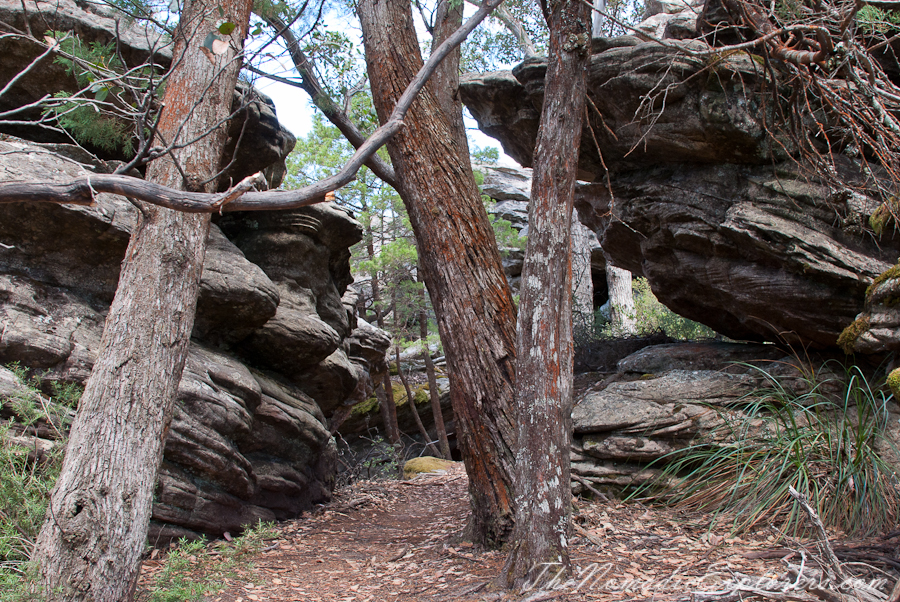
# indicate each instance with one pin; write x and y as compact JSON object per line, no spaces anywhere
{"x":92,"y":21}
{"x":754,"y":250}
{"x":264,"y":142}
{"x":674,"y":401}
{"x":707,"y":355}
{"x":680,"y":400}
{"x":753,"y":254}
{"x":877,"y":328}
{"x":701,"y":123}
{"x":244,"y":444}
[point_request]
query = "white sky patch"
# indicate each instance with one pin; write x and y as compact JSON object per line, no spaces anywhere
{"x":295,"y":109}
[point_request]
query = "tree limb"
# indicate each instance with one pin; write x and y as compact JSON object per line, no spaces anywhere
{"x":81,"y":191}
{"x":310,"y":83}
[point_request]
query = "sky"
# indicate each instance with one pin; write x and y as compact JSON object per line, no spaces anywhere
{"x":295,"y":110}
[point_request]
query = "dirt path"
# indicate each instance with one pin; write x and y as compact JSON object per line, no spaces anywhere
{"x":394,"y":541}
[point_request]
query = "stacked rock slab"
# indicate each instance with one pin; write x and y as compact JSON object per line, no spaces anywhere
{"x":274,"y":350}
{"x":663,"y":399}
{"x":728,"y":229}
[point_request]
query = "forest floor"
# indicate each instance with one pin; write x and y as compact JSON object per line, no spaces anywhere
{"x":397,"y":541}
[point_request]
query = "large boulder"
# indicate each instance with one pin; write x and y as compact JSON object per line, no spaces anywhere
{"x":249,"y":439}
{"x":729,"y":230}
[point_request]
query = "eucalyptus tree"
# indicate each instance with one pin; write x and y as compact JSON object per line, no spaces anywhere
{"x":90,"y":545}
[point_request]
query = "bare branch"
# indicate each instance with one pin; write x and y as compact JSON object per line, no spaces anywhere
{"x":82,"y":191}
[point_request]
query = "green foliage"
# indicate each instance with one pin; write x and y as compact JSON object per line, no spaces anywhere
{"x":875,"y":20}
{"x":493,"y":46}
{"x":25,"y":485}
{"x":26,"y":478}
{"x":508,"y":238}
{"x":824,"y":445}
{"x":195,"y":569}
{"x":89,"y":126}
{"x":487,"y":155}
{"x":652,"y":316}
{"x":97,"y":115}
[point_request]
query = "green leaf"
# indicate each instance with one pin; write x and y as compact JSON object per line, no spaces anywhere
{"x":101,"y":94}
{"x":226,"y":28}
{"x":221,"y":11}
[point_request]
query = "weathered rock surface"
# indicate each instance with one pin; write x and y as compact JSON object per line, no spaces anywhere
{"x":264,"y":142}
{"x":246,"y":442}
{"x":665,"y":398}
{"x":754,"y":250}
{"x":877,"y":328}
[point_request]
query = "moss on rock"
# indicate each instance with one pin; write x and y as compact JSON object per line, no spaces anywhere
{"x":424,"y":464}
{"x":848,"y":337}
{"x":892,"y":272}
{"x":893,"y":382}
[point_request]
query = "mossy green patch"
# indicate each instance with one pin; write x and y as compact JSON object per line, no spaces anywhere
{"x":892,"y":272}
{"x":848,"y":337}
{"x":882,"y":217}
{"x":424,"y":464}
{"x":420,"y":395}
{"x":369,"y":405}
{"x":893,"y":382}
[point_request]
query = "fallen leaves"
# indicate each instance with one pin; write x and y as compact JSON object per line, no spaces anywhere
{"x":395,"y":541}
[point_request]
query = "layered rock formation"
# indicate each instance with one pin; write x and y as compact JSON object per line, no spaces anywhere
{"x":264,"y":142}
{"x":275,"y":350}
{"x":663,"y":399}
{"x":728,"y":230}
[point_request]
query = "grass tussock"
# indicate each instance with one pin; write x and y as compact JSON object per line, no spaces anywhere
{"x":825,"y":445}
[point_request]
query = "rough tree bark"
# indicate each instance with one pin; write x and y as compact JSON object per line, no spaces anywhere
{"x":544,"y":345}
{"x":89,"y":548}
{"x":461,"y":265}
{"x":582,"y":285}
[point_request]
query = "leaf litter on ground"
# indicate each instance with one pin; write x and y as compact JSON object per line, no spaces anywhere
{"x":399,"y":541}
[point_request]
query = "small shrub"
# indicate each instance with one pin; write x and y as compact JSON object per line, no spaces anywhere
{"x":825,"y":447}
{"x":653,"y":316}
{"x":195,"y":569}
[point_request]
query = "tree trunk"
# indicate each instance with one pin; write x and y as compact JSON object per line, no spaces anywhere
{"x":582,"y":285}
{"x":433,"y":392}
{"x":410,"y":398}
{"x":621,"y":300}
{"x":544,"y":346}
{"x":89,"y":548}
{"x":388,"y":409}
{"x":461,"y":265}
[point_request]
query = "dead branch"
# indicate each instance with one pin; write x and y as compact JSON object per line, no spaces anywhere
{"x":81,"y":192}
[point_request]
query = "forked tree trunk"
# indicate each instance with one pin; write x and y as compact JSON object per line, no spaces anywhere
{"x":544,"y":345}
{"x":90,"y":545}
{"x":433,"y":392}
{"x":461,"y":265}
